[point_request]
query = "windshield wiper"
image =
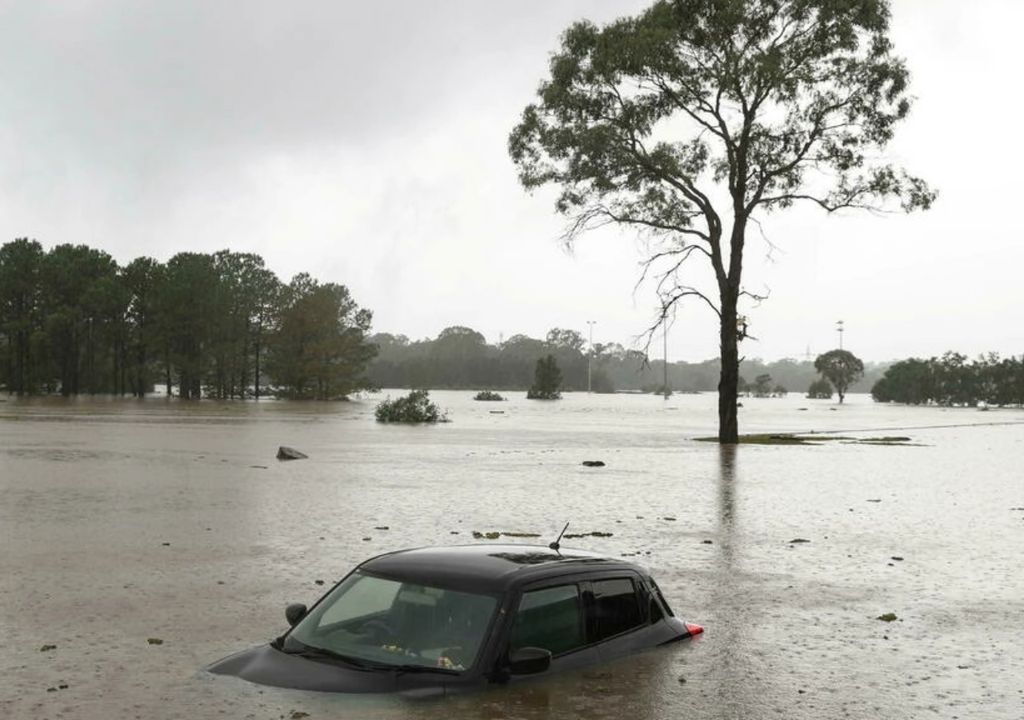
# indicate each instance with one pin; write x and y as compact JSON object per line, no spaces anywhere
{"x":403,"y":669}
{"x":319,"y":653}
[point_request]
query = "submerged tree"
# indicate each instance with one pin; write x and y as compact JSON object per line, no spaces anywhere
{"x":547,"y":383}
{"x":646,"y":121}
{"x":319,"y":350}
{"x":841,"y":368}
{"x":820,"y":389}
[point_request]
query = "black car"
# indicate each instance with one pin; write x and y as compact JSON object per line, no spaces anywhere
{"x":449,"y":618}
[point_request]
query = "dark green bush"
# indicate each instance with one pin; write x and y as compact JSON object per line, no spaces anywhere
{"x":413,"y":408}
{"x":488,"y":395}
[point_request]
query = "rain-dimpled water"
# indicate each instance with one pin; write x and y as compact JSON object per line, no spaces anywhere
{"x":143,"y":540}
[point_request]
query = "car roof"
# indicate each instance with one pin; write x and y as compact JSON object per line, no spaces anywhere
{"x":488,"y":568}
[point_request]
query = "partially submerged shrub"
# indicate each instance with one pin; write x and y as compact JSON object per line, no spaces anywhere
{"x":488,"y":396}
{"x":820,"y":389}
{"x":547,"y":380}
{"x":413,"y":408}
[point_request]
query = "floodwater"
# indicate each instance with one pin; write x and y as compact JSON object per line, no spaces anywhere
{"x":126,"y":520}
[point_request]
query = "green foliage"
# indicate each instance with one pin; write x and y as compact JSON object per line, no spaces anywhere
{"x":72,"y":321}
{"x":319,"y":350}
{"x":415,"y":407}
{"x":820,"y":389}
{"x":952,"y":381}
{"x":762,"y":386}
{"x":645,"y":121}
{"x":488,"y":396}
{"x":841,"y":368}
{"x":547,"y":381}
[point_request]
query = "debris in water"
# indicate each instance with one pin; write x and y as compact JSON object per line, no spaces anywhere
{"x":874,"y":499}
{"x":794,"y":541}
{"x":47,"y":648}
{"x":318,"y":582}
{"x":382,"y":527}
{"x":259,"y":467}
{"x":286,"y":453}
{"x":670,"y":518}
{"x":154,"y":641}
{"x":887,"y":617}
{"x":593,"y":463}
{"x":897,"y":558}
{"x":707,"y":542}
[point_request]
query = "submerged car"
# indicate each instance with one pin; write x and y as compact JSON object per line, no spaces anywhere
{"x":445,"y":619}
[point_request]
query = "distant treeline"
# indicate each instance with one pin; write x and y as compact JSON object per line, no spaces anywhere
{"x":460,"y":357}
{"x":216,"y":325}
{"x":952,"y":380}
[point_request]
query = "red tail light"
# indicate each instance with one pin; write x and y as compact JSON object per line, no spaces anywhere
{"x":693,"y":629}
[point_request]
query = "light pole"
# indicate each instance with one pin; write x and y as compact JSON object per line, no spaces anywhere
{"x":590,"y":352}
{"x":839,"y":329}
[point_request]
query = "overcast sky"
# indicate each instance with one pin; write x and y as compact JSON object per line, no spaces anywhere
{"x":366,"y":143}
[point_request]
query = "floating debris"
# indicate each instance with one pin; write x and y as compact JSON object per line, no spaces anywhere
{"x":706,"y":542}
{"x":318,"y":582}
{"x":796,"y":541}
{"x":897,"y":558}
{"x":47,"y":648}
{"x":382,"y":527}
{"x":887,"y":617}
{"x":287,"y":453}
{"x":154,"y":641}
{"x":595,"y":533}
{"x":593,"y":463}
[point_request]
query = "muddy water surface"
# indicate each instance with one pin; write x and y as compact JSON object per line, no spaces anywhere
{"x":122,"y":521}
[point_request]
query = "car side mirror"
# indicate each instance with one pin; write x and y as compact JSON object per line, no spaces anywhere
{"x":294,"y":613}
{"x":529,"y":661}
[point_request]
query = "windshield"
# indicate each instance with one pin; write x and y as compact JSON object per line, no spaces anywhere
{"x":376,"y":620}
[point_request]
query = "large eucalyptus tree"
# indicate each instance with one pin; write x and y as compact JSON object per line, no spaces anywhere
{"x":691,"y":119}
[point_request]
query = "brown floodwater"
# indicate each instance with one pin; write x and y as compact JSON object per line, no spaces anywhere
{"x":124,"y":520}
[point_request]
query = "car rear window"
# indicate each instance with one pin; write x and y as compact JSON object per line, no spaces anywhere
{"x":615,"y":608}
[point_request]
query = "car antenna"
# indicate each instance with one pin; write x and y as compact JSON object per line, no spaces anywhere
{"x":557,"y":543}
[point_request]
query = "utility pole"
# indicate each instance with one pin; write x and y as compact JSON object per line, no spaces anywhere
{"x":590,"y":352}
{"x":839,"y":329}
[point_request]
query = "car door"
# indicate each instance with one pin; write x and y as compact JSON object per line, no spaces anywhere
{"x":552,"y":616}
{"x":617,"y":615}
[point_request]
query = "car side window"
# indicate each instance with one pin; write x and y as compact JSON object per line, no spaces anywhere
{"x":549,"y":618}
{"x":615,"y":608}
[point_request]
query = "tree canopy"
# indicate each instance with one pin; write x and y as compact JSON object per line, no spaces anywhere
{"x":547,"y":383}
{"x":841,"y":368}
{"x":693,"y":118}
{"x":73,"y":321}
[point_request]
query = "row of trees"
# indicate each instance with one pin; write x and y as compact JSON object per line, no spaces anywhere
{"x":953,"y":380}
{"x":219,"y":325}
{"x":460,"y":357}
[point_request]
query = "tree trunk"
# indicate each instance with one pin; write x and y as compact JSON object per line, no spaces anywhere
{"x":728,"y":383}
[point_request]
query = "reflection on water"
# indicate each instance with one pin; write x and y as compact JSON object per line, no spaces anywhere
{"x":123,"y":521}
